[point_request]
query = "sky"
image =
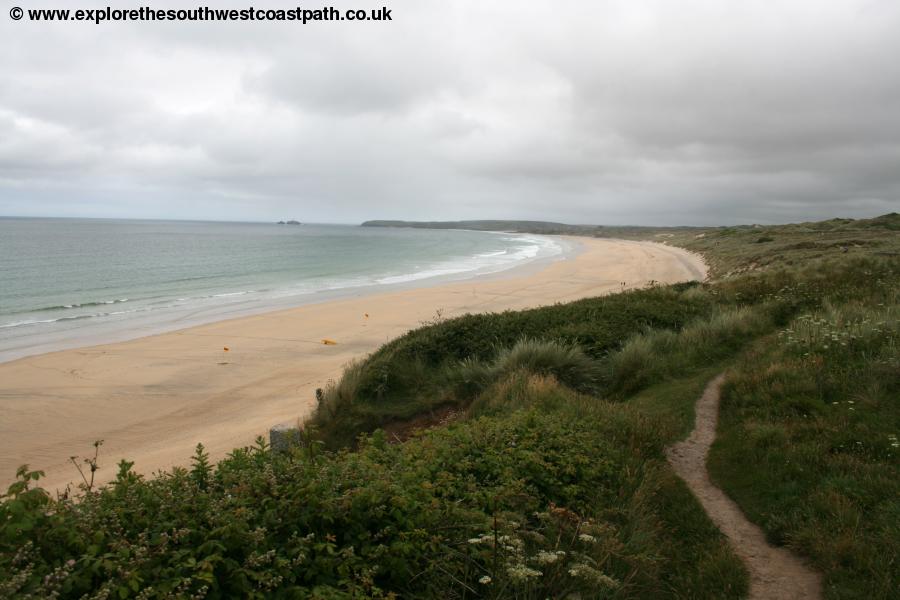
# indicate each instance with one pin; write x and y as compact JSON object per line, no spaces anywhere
{"x":638,"y":112}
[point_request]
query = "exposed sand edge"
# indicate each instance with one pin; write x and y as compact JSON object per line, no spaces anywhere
{"x":152,"y":399}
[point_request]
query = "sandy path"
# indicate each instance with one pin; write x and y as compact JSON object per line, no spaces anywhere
{"x":775,"y":573}
{"x":152,"y":399}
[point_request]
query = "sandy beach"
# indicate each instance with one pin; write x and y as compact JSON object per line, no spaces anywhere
{"x":152,"y":399}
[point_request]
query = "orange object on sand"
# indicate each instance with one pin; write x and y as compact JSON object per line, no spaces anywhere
{"x":225,"y":348}
{"x":328,"y":342}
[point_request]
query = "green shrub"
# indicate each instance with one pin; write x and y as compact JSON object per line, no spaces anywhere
{"x":555,"y":499}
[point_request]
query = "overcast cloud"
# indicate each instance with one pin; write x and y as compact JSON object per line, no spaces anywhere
{"x":643,"y":112}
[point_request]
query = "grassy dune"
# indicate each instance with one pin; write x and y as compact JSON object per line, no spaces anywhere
{"x":808,"y":442}
{"x":550,"y":481}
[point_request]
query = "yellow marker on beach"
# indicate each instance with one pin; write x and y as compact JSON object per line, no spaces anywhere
{"x":328,"y":342}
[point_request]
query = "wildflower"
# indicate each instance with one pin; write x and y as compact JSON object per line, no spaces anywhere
{"x":522,"y":573}
{"x":588,"y":573}
{"x":548,"y":558}
{"x":585,"y":537}
{"x":484,"y":580}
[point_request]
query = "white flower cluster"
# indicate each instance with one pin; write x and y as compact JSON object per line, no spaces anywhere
{"x":521,"y":572}
{"x":591,"y":574}
{"x":507,"y":542}
{"x":545,"y":557}
{"x":836,"y":329}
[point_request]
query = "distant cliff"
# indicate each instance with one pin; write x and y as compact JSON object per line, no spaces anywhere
{"x":488,"y":225}
{"x":539,"y":227}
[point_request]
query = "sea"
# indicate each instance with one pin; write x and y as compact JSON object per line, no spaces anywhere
{"x":67,"y":283}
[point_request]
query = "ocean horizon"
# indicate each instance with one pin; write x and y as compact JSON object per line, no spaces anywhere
{"x":69,"y":283}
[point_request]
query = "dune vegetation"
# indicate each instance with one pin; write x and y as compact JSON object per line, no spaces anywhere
{"x":520,"y":455}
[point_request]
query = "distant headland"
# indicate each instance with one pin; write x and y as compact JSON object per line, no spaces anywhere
{"x":483,"y":225}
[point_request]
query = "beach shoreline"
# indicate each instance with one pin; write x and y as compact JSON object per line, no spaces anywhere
{"x":152,"y":399}
{"x":142,"y":323}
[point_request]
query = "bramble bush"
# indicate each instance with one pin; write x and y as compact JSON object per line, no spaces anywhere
{"x":532,"y":503}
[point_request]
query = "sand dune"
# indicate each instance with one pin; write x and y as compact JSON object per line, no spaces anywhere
{"x":152,"y":399}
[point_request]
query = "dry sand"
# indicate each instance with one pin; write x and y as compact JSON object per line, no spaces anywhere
{"x":152,"y":399}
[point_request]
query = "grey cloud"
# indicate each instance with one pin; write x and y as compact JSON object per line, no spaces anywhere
{"x":605,"y":112}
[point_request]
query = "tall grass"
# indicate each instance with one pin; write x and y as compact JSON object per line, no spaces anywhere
{"x":565,"y":363}
{"x":808,"y":443}
{"x":653,"y":355}
{"x":337,"y":396}
{"x":518,"y":390}
{"x":449,"y":362}
{"x":345,"y":409}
